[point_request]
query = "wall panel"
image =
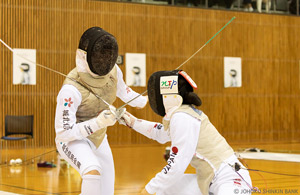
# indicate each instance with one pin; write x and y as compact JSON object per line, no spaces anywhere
{"x":265,"y":109}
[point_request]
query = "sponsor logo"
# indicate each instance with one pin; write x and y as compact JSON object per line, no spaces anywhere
{"x":169,"y":85}
{"x":66,"y":120}
{"x":71,"y":156}
{"x":88,"y":129}
{"x":68,"y":102}
{"x":158,"y":126}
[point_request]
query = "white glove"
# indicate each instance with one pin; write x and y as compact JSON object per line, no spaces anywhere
{"x":104,"y":119}
{"x":127,"y":119}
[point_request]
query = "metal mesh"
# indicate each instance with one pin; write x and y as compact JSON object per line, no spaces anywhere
{"x":101,"y":48}
{"x":104,"y":54}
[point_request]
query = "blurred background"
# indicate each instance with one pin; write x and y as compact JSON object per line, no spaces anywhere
{"x":262,"y":112}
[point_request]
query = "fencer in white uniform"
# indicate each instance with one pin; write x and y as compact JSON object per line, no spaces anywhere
{"x":82,"y":117}
{"x":194,"y":140}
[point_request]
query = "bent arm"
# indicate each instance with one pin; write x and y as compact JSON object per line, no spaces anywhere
{"x":68,"y":101}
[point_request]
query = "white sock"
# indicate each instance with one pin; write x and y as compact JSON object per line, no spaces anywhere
{"x":91,"y":185}
{"x":258,"y":5}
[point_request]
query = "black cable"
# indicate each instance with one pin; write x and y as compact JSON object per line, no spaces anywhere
{"x":237,"y":167}
{"x":29,"y":189}
{"x":33,"y":157}
{"x":285,"y":174}
{"x":41,"y":155}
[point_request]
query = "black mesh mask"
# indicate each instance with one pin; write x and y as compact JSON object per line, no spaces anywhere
{"x":101,"y":48}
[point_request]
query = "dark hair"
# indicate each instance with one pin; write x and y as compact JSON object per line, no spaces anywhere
{"x":186,"y":92}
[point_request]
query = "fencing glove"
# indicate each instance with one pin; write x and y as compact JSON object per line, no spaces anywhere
{"x":104,"y":119}
{"x":127,"y":119}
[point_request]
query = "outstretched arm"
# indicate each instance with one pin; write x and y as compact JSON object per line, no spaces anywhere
{"x":149,"y":129}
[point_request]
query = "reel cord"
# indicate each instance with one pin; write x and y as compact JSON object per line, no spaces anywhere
{"x":237,"y":167}
{"x":33,"y":157}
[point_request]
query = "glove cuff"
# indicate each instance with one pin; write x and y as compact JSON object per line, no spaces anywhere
{"x":87,"y":128}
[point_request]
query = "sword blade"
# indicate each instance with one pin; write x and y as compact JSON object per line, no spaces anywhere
{"x":185,"y":60}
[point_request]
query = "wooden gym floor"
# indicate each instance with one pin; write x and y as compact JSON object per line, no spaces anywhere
{"x":135,"y":166}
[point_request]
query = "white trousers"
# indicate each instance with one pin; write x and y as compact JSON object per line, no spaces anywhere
{"x":229,"y":182}
{"x":226,"y":182}
{"x":187,"y":185}
{"x":84,"y":157}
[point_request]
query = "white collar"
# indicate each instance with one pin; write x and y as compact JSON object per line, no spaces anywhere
{"x":82,"y":64}
{"x":171,"y":103}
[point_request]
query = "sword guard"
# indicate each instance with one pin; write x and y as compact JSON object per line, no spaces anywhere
{"x":117,"y":112}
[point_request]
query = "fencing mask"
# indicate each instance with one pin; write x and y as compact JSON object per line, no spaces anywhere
{"x":170,"y":82}
{"x":101,"y":49}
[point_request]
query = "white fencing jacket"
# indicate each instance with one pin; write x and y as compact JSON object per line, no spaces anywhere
{"x":68,"y":100}
{"x":183,"y":147}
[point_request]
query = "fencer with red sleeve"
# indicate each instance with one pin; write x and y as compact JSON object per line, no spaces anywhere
{"x":194,"y":141}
